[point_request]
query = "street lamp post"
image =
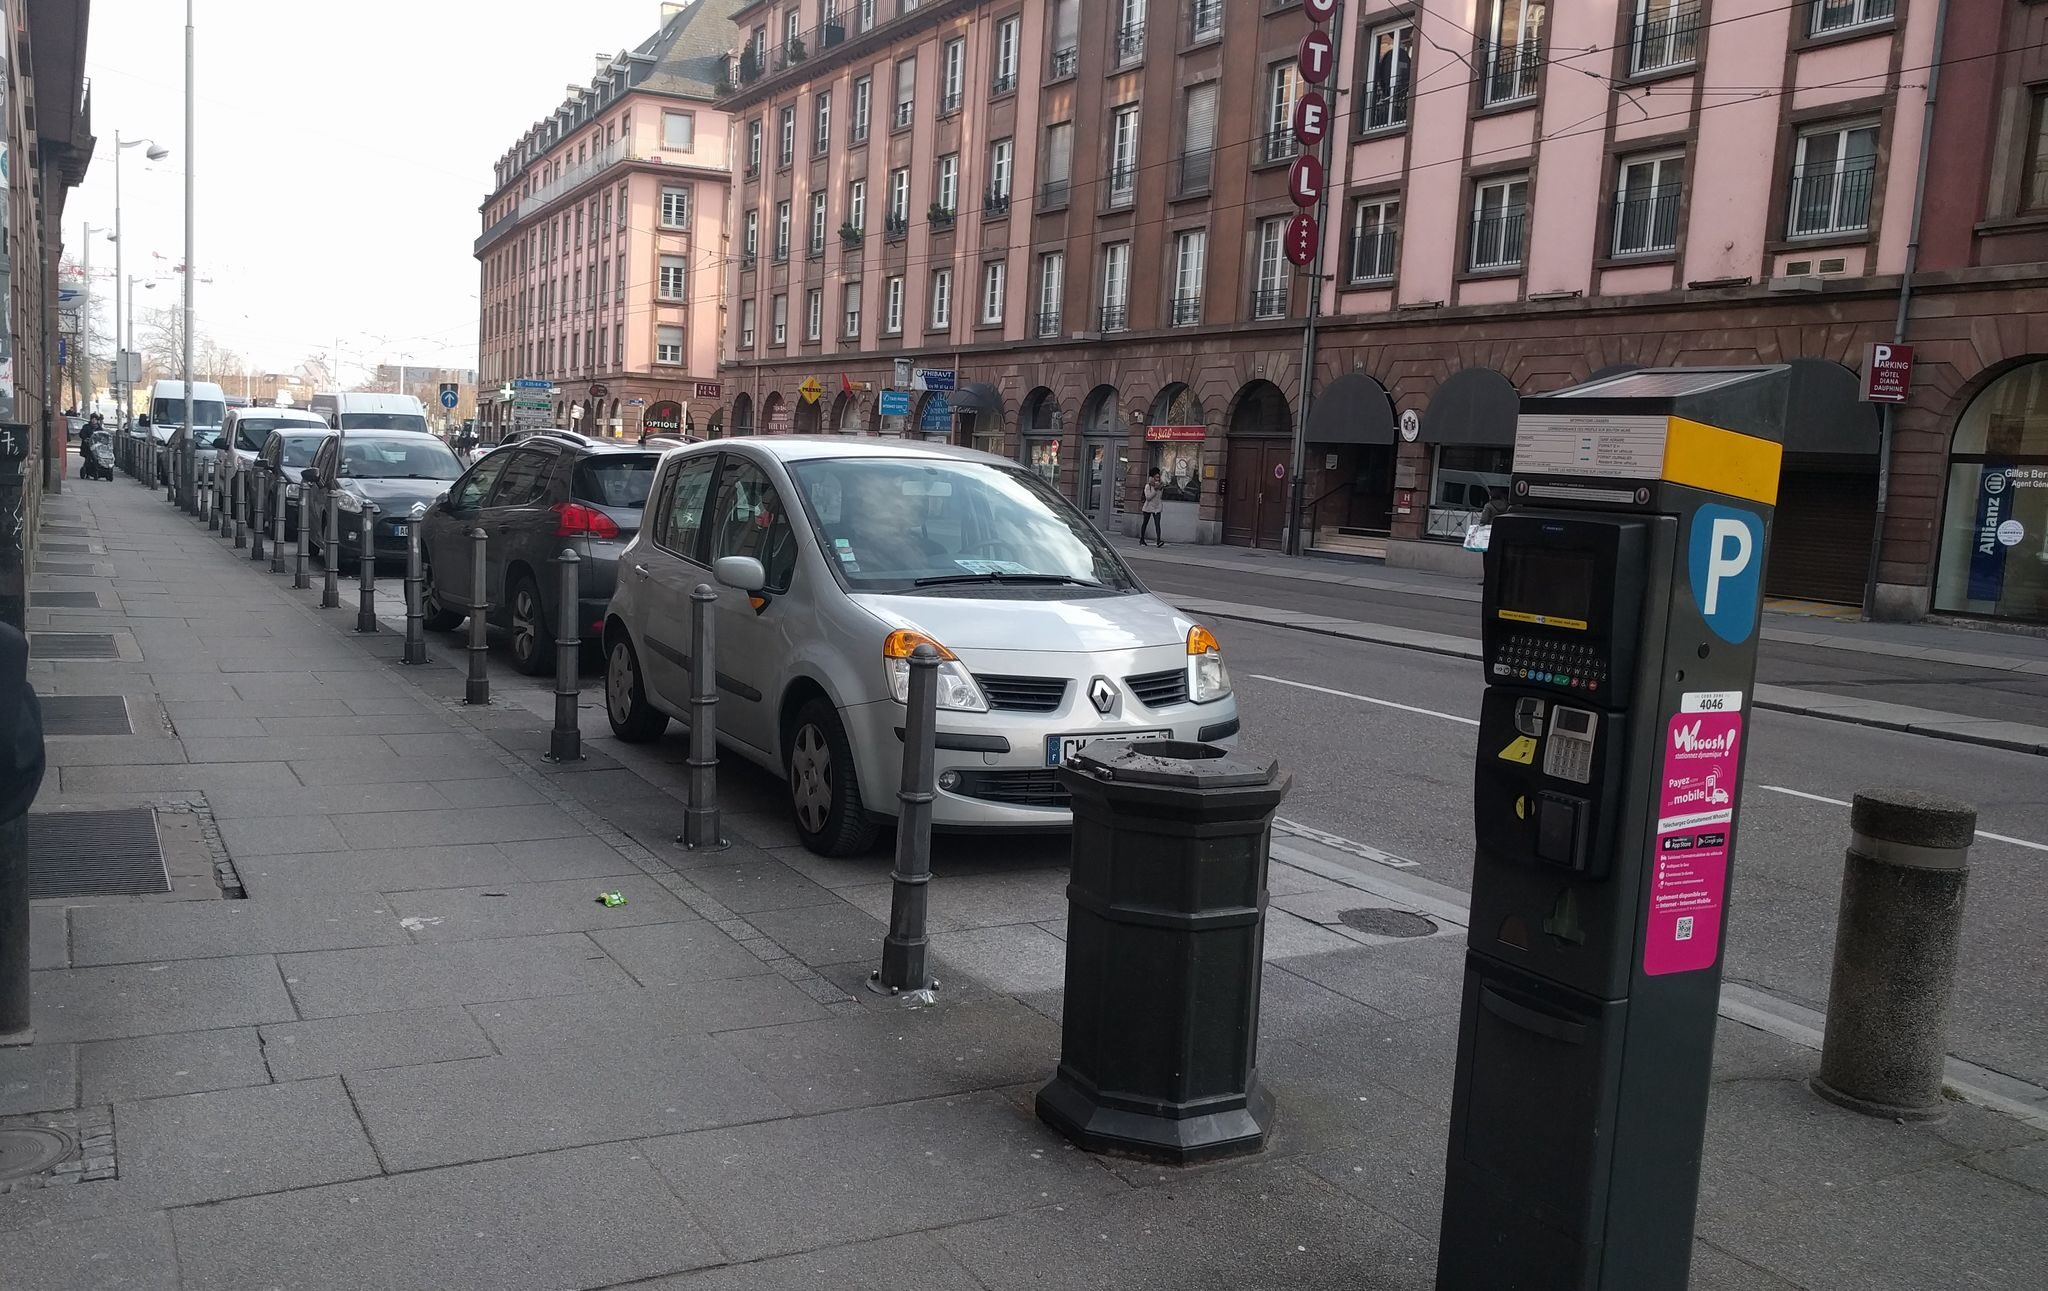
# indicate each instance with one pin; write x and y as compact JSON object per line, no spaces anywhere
{"x":156,"y":152}
{"x":191,"y":431}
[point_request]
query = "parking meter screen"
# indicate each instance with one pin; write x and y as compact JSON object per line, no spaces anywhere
{"x":1547,"y":586}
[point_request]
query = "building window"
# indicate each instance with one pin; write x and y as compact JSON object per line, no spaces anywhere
{"x":857,"y":205}
{"x":782,"y":229}
{"x":953,"y":77}
{"x":1205,"y":19}
{"x":1006,"y":55}
{"x":668,"y":345}
{"x":675,"y":208}
{"x":1514,"y":43}
{"x":906,"y":94}
{"x":673,"y":283}
{"x":1001,"y":155}
{"x":678,"y":131}
{"x":947,"y":200}
{"x":1832,"y":175}
{"x":1665,"y":34}
{"x":1389,"y":68}
{"x":849,"y":303}
{"x":864,"y":15}
{"x":817,"y":225}
{"x":1190,"y":255}
{"x":1123,"y":156}
{"x":821,"y":123}
{"x":1065,"y":42}
{"x":994,"y":278}
{"x":1270,"y":291}
{"x":1115,"y":314}
{"x":1840,"y":15}
{"x":892,"y":306}
{"x":778,"y":320}
{"x":814,"y":314}
{"x":785,"y":136}
{"x":1998,"y":490}
{"x":863,"y":107}
{"x":898,"y":222}
{"x":792,"y":42}
{"x":1058,"y":164}
{"x":2034,"y":196}
{"x":1499,"y":211}
{"x":1197,"y":141}
{"x":1283,"y":83}
{"x":1375,"y":224}
{"x":747,"y":313}
{"x":1647,"y":192}
{"x":942,"y":298}
{"x":1052,"y":291}
{"x":1130,"y":32}
{"x":750,"y":241}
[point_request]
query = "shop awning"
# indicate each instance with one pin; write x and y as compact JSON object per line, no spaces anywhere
{"x":1826,"y":414}
{"x":1353,"y":409}
{"x":1472,"y":406}
{"x":979,"y":397}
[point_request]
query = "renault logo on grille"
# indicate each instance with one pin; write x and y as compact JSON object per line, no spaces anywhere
{"x":1102,"y":694}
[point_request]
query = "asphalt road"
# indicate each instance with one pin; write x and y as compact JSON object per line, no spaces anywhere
{"x":1972,"y":692}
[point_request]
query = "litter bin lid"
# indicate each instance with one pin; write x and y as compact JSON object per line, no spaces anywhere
{"x":1182,"y":764}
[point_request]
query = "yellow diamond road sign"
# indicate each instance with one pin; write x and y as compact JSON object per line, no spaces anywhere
{"x":810,"y":389}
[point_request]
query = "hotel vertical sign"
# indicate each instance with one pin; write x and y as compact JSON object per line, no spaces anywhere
{"x":1316,"y":60}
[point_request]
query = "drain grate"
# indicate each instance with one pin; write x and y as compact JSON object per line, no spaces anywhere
{"x":70,"y":548}
{"x":68,"y":530}
{"x":73,"y":645}
{"x":64,"y":600}
{"x":66,"y":568}
{"x":1382,"y":922}
{"x":85,"y":715}
{"x":32,"y":1151}
{"x":95,"y":854}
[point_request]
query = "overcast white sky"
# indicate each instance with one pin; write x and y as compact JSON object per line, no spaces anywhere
{"x":343,"y":150}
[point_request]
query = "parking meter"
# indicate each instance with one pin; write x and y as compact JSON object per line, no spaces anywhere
{"x":1621,"y":605}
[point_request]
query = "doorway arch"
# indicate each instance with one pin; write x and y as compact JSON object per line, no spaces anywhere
{"x":742,"y":414}
{"x":1105,"y":458}
{"x":1038,"y":434}
{"x":1255,"y":483}
{"x":1994,"y":535}
{"x":774,"y":412}
{"x":809,"y":418}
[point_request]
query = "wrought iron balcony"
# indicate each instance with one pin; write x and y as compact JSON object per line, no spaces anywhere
{"x":1113,"y":318}
{"x":1665,"y":40}
{"x":1065,"y":62}
{"x":1372,"y":255}
{"x":1187,"y":309}
{"x":1270,"y":302}
{"x":1831,"y":200}
{"x":1648,"y":223}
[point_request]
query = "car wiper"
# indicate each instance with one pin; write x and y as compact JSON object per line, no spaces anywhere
{"x":993,"y":576}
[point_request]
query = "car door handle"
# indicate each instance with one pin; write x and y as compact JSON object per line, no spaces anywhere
{"x":640,"y":571}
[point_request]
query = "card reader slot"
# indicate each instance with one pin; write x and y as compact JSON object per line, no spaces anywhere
{"x":1530,"y":1019}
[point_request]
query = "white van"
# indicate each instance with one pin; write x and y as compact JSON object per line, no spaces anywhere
{"x":167,"y":410}
{"x":357,"y":411}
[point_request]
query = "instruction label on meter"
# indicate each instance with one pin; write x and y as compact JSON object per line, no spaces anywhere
{"x":1696,"y":807}
{"x":1585,"y":444}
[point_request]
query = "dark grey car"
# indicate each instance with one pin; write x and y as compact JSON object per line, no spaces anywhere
{"x":532,"y":499}
{"x":396,"y":469}
{"x":289,"y":453}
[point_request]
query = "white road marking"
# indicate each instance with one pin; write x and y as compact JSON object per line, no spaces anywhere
{"x":1837,"y":802}
{"x":1365,"y":699}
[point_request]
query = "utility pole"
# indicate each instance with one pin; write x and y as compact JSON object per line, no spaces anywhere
{"x":191,"y":273}
{"x":85,"y":329}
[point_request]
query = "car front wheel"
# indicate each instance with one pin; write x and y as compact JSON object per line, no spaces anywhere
{"x":633,"y":719}
{"x":435,"y":616}
{"x":533,"y":651}
{"x":824,"y":789}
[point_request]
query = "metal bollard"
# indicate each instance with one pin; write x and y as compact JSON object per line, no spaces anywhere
{"x":302,"y":561}
{"x":478,"y":690}
{"x":701,"y":828}
{"x":238,"y":505}
{"x":415,"y":591}
{"x":330,"y":549}
{"x":366,"y":588}
{"x":189,"y":481}
{"x":1896,"y":943}
{"x":903,"y":950}
{"x":252,"y":503}
{"x":207,"y":515}
{"x":149,"y":453}
{"x":276,"y":497}
{"x":565,"y":742}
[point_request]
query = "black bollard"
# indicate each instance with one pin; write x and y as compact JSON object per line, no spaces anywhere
{"x":21,"y":776}
{"x":565,"y":742}
{"x":302,"y":560}
{"x":904,"y":949}
{"x":252,"y":509}
{"x":238,"y":523}
{"x":415,"y":591}
{"x":702,"y":830}
{"x":478,"y":688}
{"x":276,"y":517}
{"x":366,"y":580}
{"x":1896,"y":944}
{"x":330,"y":552}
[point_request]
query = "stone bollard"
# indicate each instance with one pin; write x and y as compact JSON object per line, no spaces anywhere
{"x":477,"y":690}
{"x":565,"y":742}
{"x":1896,"y":940}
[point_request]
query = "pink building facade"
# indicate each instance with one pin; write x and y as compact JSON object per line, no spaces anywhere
{"x":604,"y":244}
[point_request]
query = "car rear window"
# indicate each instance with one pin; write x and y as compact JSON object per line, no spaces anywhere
{"x":615,"y":481}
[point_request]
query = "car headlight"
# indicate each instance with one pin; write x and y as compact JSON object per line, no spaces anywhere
{"x":957,"y":690}
{"x":348,"y":502}
{"x":291,"y":492}
{"x":1208,"y":679}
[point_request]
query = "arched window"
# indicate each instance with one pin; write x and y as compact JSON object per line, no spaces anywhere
{"x":1994,"y":543}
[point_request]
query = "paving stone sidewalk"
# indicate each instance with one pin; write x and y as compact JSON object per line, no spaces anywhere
{"x":421,"y":1054}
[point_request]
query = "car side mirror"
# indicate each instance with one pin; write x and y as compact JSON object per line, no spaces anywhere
{"x":443,"y":503}
{"x":742,"y":573}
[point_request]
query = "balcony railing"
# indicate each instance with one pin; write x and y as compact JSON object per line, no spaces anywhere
{"x":903,"y":114}
{"x":1270,"y":301}
{"x":1065,"y":62}
{"x":1053,"y":195}
{"x":995,"y":205}
{"x":1665,"y":40}
{"x":1205,"y":19}
{"x":581,"y":172}
{"x":1113,"y":318}
{"x":1003,"y":83}
{"x":1648,"y":223}
{"x":1187,"y":309}
{"x":1193,"y":172}
{"x":782,"y":253}
{"x":1279,"y":145}
{"x":816,"y":251}
{"x":949,"y":103}
{"x":749,"y":260}
{"x":1130,"y":44}
{"x":1372,"y":255}
{"x":1831,"y":200}
{"x":1121,"y":188}
{"x":1048,"y":322}
{"x":940,"y":217}
{"x":1386,"y":103}
{"x":1513,"y":73}
{"x":895,"y":228}
{"x":1497,"y":240}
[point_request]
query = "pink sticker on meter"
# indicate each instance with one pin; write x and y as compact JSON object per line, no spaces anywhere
{"x":1695,"y":813}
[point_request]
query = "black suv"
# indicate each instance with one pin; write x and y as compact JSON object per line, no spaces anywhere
{"x":532,"y":498}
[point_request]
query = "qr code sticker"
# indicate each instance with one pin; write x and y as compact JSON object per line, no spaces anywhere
{"x":1685,"y":928}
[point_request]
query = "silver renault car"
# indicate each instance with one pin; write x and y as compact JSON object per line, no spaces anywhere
{"x":833,"y":560}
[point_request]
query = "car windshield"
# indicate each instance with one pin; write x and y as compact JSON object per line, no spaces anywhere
{"x":383,"y":421}
{"x":298,"y":450}
{"x":373,"y":458}
{"x":251,"y":433}
{"x":208,"y":438}
{"x":615,"y":481}
{"x":903,"y":524}
{"x":171,"y":412}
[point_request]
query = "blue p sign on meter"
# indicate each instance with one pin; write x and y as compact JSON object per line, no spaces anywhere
{"x":1725,"y":560}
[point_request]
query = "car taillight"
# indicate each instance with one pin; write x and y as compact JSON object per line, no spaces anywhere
{"x":573,"y":520}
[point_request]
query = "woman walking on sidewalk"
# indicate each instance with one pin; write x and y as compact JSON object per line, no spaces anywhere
{"x":1154,"y":506}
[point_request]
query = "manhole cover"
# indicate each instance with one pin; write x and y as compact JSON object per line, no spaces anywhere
{"x":1382,"y":922}
{"x":27,"y":1152}
{"x":65,"y":568}
{"x":85,"y":715}
{"x":64,"y":600}
{"x":73,"y":645}
{"x":95,"y":854}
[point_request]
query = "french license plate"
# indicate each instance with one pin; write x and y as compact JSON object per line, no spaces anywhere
{"x":1062,"y":748}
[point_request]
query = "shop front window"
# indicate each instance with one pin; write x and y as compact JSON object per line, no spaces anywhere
{"x":1179,"y":464}
{"x":1042,"y":455}
{"x":1994,"y":545}
{"x":1467,"y":478}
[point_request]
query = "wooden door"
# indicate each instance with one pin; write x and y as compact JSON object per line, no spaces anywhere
{"x":1254,"y":497}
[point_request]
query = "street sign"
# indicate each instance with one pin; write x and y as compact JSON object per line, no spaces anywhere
{"x":1316,"y":57}
{"x":1311,"y":118}
{"x":526,"y":384}
{"x":709,"y":390}
{"x":1887,"y":373}
{"x":810,"y":389}
{"x":449,"y":399}
{"x":938,"y":416}
{"x":1305,"y":180}
{"x":1302,"y":239}
{"x":931,"y":378}
{"x":895,"y":403}
{"x":664,"y":415}
{"x":636,"y":403}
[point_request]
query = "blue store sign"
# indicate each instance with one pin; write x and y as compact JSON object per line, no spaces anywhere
{"x":1987,"y":553}
{"x":895,"y":403}
{"x":938,"y":415}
